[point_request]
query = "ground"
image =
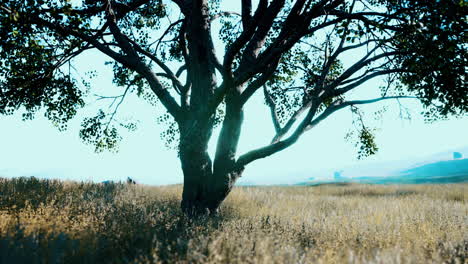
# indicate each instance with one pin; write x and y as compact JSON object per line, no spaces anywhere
{"x":67,"y":222}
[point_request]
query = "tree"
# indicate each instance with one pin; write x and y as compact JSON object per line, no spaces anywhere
{"x":291,"y":51}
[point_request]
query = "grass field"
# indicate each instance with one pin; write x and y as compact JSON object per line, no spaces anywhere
{"x":66,"y":222}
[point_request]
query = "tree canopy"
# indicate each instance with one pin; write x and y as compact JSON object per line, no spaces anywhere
{"x":305,"y":56}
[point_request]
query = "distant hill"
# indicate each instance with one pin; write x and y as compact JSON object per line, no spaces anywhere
{"x":438,"y":172}
{"x":446,"y":171}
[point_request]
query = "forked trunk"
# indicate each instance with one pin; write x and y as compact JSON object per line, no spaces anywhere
{"x":203,"y":190}
{"x":206,"y":185}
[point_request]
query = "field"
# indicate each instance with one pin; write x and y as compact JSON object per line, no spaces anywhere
{"x":67,"y":222}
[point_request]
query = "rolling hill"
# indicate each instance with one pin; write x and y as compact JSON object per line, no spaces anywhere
{"x":444,"y":171}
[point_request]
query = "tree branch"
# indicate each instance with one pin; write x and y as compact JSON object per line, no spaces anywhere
{"x":292,"y":120}
{"x":169,"y":74}
{"x":338,"y":106}
{"x":246,"y":13}
{"x":122,"y":98}
{"x":271,"y":149}
{"x":224,"y":13}
{"x":272,"y":105}
{"x":362,"y":17}
{"x":306,"y":124}
{"x":259,"y":82}
{"x":351,"y":86}
{"x":130,"y":62}
{"x":129,"y":47}
{"x":245,"y":36}
{"x":358,"y":66}
{"x":258,"y":39}
{"x":293,"y":29}
{"x":165,"y":33}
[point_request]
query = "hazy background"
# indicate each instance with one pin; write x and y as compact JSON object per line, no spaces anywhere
{"x":36,"y":148}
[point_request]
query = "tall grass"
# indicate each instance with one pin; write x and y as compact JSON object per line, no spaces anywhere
{"x":66,"y":222}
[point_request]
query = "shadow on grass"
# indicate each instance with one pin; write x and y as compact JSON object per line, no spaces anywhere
{"x":125,"y":226}
{"x":454,"y":253}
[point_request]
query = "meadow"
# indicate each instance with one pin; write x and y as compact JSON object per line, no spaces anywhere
{"x":68,"y":222}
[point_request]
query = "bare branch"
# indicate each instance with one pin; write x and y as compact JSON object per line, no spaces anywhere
{"x":224,"y":13}
{"x":365,"y":79}
{"x":363,"y":16}
{"x":272,"y":105}
{"x":291,"y":121}
{"x":103,"y":97}
{"x":118,"y":105}
{"x":165,"y":33}
{"x":181,"y":70}
{"x":273,"y":148}
{"x":332,"y":59}
{"x":307,"y":123}
{"x":338,"y":106}
{"x":363,"y":62}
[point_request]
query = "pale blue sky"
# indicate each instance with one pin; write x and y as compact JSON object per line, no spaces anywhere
{"x":37,"y":148}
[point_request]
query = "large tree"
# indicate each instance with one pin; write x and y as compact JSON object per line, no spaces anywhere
{"x":305,"y":57}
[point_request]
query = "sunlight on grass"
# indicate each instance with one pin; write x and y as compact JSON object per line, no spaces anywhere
{"x":67,"y":222}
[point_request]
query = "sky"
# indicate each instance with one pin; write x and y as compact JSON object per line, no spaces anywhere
{"x":36,"y":148}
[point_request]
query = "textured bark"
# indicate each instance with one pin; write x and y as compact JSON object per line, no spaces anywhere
{"x":196,"y":167}
{"x":200,"y":195}
{"x":204,"y":188}
{"x":204,"y":191}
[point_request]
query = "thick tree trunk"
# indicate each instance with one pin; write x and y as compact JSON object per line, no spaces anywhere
{"x":204,"y":190}
{"x":202,"y":196}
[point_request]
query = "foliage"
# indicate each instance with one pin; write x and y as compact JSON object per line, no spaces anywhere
{"x":295,"y":51}
{"x":99,"y":134}
{"x":48,"y":221}
{"x":434,"y":44}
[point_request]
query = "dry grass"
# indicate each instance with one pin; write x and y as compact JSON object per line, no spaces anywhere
{"x":64,"y":222}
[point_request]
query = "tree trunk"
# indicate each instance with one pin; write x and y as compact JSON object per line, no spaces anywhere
{"x":204,"y":190}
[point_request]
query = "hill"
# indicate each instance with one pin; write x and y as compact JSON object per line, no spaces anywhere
{"x":448,"y":171}
{"x":444,"y":171}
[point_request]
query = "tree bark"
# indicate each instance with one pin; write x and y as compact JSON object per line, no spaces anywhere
{"x":196,"y":166}
{"x":204,"y":189}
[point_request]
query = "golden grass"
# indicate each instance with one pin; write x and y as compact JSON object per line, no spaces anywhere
{"x":66,"y":222}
